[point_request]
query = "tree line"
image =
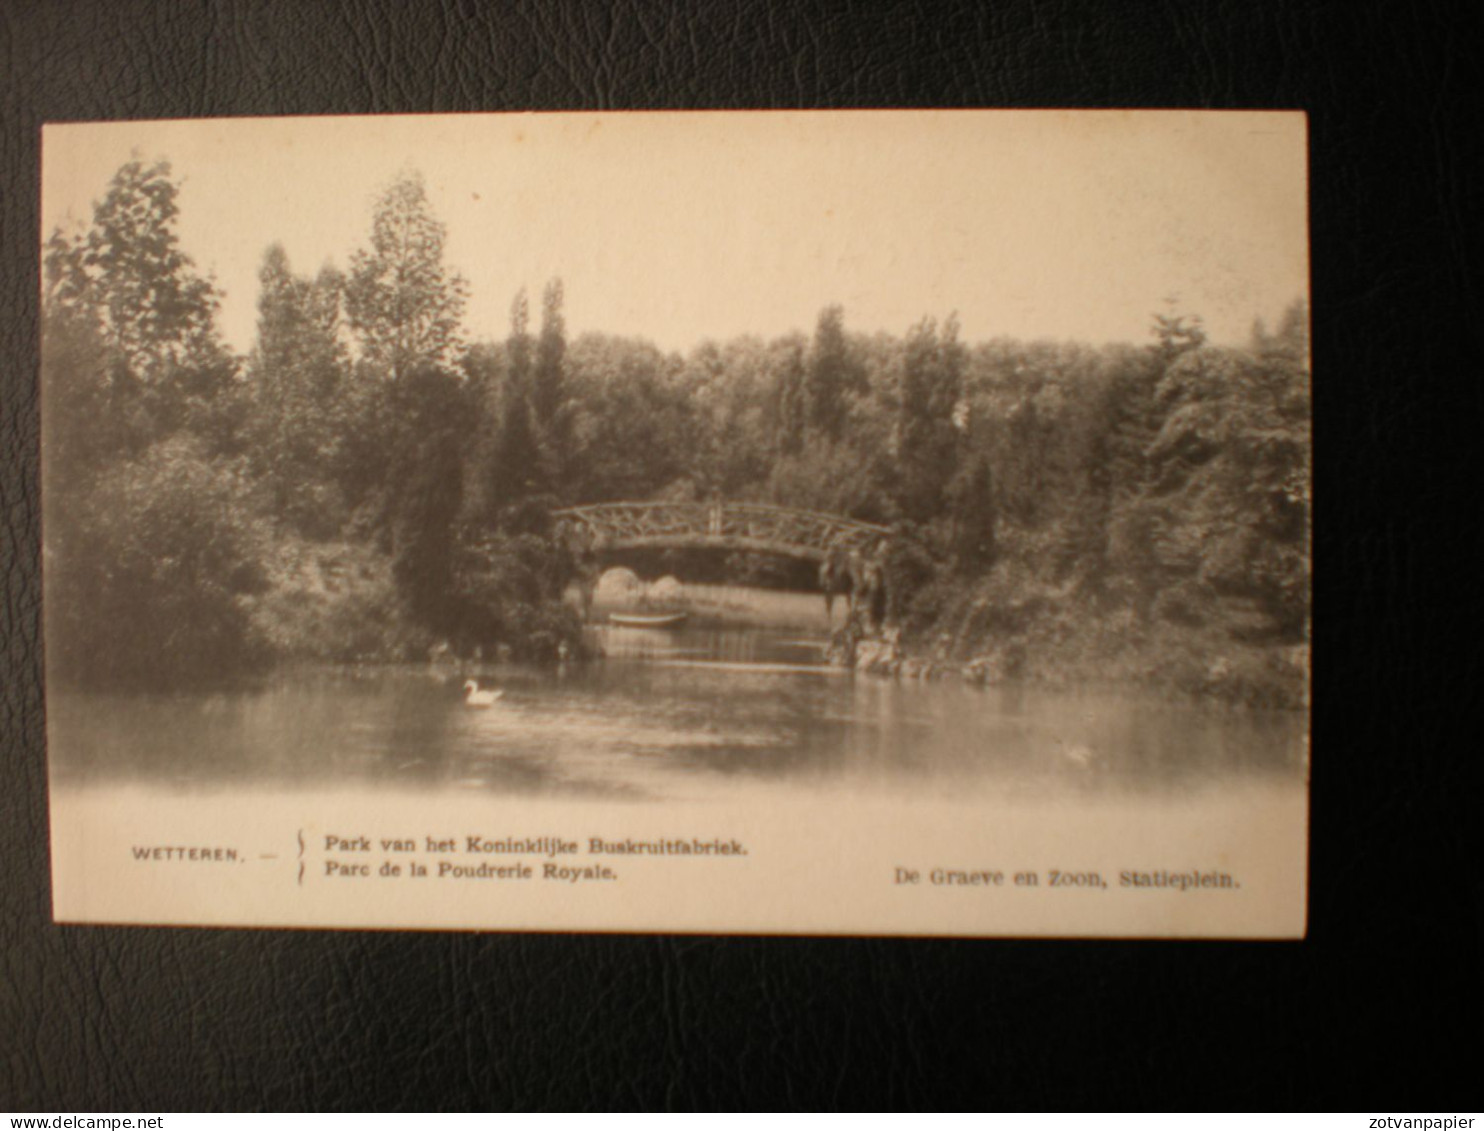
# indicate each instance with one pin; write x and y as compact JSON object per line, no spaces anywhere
{"x":368,"y":482}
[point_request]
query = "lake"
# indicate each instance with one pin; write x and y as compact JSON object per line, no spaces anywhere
{"x":693,"y":714}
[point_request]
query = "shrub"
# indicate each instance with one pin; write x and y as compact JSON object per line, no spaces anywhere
{"x":149,"y":577}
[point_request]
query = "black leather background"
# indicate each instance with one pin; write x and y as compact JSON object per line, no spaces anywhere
{"x":1360,"y":1015}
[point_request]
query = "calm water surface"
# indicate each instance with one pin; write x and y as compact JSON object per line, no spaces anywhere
{"x":692,"y":713}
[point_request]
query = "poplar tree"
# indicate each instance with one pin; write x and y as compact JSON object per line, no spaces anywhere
{"x":790,"y":405}
{"x":551,"y":412}
{"x":515,"y":469}
{"x":402,"y":301}
{"x":296,"y":374}
{"x":831,"y":374}
{"x":927,"y":435}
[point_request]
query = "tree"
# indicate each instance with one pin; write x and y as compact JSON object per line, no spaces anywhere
{"x":149,"y":574}
{"x":789,"y":408}
{"x":515,"y":469}
{"x":518,"y":346}
{"x":731,"y":390}
{"x":91,"y":415}
{"x":129,"y":273}
{"x":298,"y":323}
{"x":152,"y":549}
{"x":636,"y":427}
{"x":126,"y":280}
{"x":975,"y":516}
{"x":297,"y":376}
{"x":1176,"y":332}
{"x":1291,"y":342}
{"x":551,"y":414}
{"x":1224,"y":517}
{"x":1146,"y":549}
{"x":835,"y":478}
{"x":427,"y":483}
{"x":833,"y":375}
{"x":402,"y":301}
{"x":928,"y":434}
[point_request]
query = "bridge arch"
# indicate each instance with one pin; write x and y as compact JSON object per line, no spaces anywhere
{"x":757,"y":527}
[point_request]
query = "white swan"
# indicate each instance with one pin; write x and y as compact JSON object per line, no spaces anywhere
{"x":473,"y":697}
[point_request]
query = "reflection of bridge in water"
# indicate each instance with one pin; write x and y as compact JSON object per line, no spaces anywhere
{"x":755,"y":527}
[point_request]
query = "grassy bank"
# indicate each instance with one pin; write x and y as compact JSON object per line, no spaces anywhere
{"x":1110,"y":653}
{"x":1049,"y":636}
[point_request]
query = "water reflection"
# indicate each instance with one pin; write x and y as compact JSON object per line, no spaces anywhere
{"x":692,"y":713}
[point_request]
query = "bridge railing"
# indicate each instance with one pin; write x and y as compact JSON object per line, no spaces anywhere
{"x":756,"y":525}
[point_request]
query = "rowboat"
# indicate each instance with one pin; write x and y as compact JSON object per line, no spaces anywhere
{"x":647,"y":620}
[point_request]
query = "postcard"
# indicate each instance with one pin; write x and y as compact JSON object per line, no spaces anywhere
{"x":866,"y":523}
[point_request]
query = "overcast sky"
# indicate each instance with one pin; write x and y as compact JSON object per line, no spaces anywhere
{"x":682,"y":227}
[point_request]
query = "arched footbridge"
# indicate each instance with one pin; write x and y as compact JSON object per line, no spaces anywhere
{"x":758,"y":527}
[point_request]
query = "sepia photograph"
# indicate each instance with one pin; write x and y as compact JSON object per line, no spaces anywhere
{"x":890,"y":522}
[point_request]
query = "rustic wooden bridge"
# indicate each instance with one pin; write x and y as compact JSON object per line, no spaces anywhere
{"x":758,"y":527}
